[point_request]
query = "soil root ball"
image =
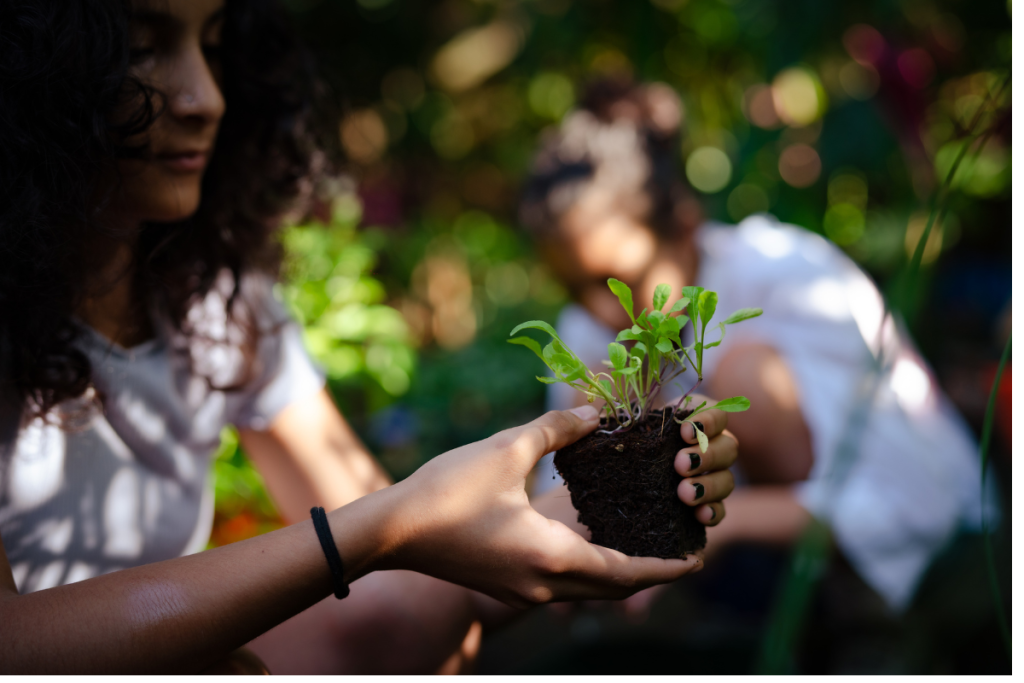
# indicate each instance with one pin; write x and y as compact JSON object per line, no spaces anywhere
{"x":624,"y":487}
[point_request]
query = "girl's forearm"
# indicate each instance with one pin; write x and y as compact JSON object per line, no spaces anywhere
{"x":182,"y":615}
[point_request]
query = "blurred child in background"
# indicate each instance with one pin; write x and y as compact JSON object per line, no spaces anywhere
{"x":880,"y":456}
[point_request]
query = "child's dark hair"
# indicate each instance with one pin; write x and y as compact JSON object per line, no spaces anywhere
{"x":622,"y":140}
{"x":63,"y":71}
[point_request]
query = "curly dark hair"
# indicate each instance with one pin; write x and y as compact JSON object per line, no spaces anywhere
{"x":625,"y":138}
{"x":63,"y":71}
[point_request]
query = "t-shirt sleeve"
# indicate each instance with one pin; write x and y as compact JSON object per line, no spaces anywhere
{"x":285,"y":372}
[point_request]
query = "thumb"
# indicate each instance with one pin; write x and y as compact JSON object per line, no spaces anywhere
{"x":551,"y":431}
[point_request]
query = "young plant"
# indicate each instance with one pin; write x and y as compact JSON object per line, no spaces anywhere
{"x":656,"y":356}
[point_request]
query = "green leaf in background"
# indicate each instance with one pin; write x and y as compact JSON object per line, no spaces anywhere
{"x":743,"y":314}
{"x":664,"y":345}
{"x":625,"y":295}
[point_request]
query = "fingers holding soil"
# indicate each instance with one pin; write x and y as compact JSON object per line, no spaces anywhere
{"x":709,"y":488}
{"x":721,"y":455}
{"x":711,"y":422}
{"x":710,"y":514}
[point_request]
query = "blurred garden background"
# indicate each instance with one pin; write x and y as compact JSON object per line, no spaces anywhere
{"x":841,"y":117}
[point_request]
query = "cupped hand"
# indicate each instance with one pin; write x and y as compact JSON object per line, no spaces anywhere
{"x":706,"y":476}
{"x":465,"y":517}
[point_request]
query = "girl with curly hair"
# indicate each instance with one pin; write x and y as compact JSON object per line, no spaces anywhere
{"x":148,"y":151}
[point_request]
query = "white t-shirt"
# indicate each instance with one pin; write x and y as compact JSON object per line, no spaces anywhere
{"x":132,"y":485}
{"x":914,"y":476}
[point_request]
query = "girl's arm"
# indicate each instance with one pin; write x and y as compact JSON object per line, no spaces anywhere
{"x":776,"y":439}
{"x":310,"y":456}
{"x":463,"y":517}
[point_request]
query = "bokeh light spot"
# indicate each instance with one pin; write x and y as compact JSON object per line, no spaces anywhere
{"x":859,"y":81}
{"x":844,"y":223}
{"x":476,"y":54}
{"x":800,"y":165}
{"x":708,"y":169}
{"x":550,"y":95}
{"x":864,"y":43}
{"x":847,"y":187}
{"x":798,"y":96}
{"x":746,"y":199}
{"x":507,"y":284}
{"x":364,"y":136}
{"x":760,"y":107}
{"x":916,"y":67}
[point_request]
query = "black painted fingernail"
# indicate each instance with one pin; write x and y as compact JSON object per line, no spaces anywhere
{"x":699,"y":488}
{"x":714,"y":513}
{"x":700,"y":424}
{"x":694,"y":461}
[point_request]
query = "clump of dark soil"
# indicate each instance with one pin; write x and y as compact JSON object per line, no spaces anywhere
{"x":624,"y":487}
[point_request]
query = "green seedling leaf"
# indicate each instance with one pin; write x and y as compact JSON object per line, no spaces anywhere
{"x":536,"y":325}
{"x":549,"y":380}
{"x":639,"y":350}
{"x":679,"y":305}
{"x":669,"y":328}
{"x":625,"y":295}
{"x":629,"y":335}
{"x":655,"y":318}
{"x":692,"y":293}
{"x":642,"y":319}
{"x":736,"y":404}
{"x":618,"y":355}
{"x":664,"y":345}
{"x":626,"y":372}
{"x":721,"y":326}
{"x":530,"y":344}
{"x":661,"y":295}
{"x":707,"y":304}
{"x":743,"y":314}
{"x":578,"y":373}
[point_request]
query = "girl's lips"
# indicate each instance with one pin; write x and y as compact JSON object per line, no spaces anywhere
{"x":185,"y":162}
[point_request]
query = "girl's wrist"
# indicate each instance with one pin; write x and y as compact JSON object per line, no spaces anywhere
{"x":363,"y":533}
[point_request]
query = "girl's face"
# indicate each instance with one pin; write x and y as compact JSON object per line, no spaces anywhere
{"x":175,"y":49}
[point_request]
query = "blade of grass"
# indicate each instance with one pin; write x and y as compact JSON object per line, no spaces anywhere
{"x":986,"y":438}
{"x":794,"y":598}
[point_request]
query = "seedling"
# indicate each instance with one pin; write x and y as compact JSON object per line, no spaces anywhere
{"x":655,"y":358}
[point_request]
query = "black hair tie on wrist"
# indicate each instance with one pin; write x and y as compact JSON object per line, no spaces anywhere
{"x":323,"y":532}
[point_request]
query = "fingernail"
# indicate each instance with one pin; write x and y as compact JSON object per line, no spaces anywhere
{"x":586,"y":413}
{"x":694,"y":461}
{"x":714,"y":513}
{"x":699,"y":488}
{"x":700,"y":425}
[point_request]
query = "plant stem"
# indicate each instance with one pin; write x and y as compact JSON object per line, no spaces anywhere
{"x":986,"y":437}
{"x":692,"y":389}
